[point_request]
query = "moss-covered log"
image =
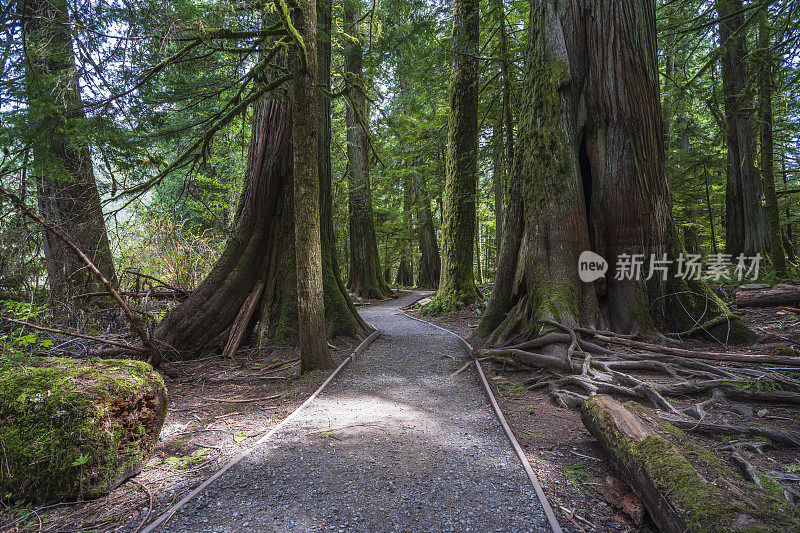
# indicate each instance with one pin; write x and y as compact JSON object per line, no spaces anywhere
{"x":683,"y":486}
{"x":76,"y":429}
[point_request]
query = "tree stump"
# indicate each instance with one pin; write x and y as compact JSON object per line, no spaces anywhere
{"x":683,"y":486}
{"x":76,"y":428}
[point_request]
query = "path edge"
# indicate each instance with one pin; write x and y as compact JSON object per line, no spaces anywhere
{"x":168,"y":514}
{"x":470,"y":351}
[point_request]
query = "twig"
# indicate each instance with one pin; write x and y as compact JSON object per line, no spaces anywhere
{"x":155,"y":356}
{"x":77,"y":335}
{"x":149,"y":505}
{"x":248,"y":400}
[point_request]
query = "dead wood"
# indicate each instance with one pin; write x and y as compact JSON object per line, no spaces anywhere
{"x":778,"y":295}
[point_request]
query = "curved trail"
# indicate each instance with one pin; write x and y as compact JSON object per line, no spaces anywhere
{"x":395,"y":443}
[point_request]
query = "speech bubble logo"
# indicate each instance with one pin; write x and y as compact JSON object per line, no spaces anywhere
{"x":591,"y":266}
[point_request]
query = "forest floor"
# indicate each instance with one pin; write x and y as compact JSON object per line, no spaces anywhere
{"x":217,"y":408}
{"x":395,"y":443}
{"x":579,"y":480}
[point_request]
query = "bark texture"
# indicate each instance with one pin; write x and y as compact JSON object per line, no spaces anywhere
{"x":66,"y":187}
{"x":262,"y":249}
{"x":456,"y":282}
{"x":589,"y":175}
{"x":312,"y":341}
{"x":365,"y":278}
{"x":745,"y":218}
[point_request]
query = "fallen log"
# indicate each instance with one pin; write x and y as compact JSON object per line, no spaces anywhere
{"x":778,"y":295}
{"x":76,"y":429}
{"x":683,"y":486}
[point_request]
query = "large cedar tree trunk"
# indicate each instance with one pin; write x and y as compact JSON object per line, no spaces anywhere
{"x":745,"y":218}
{"x":589,"y":175}
{"x":456,"y":282}
{"x":262,"y":247}
{"x":365,"y":278}
{"x":66,"y":187}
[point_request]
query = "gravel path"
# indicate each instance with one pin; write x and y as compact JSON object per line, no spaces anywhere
{"x":393,"y":444}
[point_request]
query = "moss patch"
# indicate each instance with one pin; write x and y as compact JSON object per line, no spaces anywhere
{"x":76,"y":428}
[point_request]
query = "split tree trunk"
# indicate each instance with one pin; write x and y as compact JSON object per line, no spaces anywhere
{"x":262,"y":247}
{"x":457,"y":282}
{"x":745,"y":219}
{"x":589,"y":175}
{"x":65,"y":181}
{"x":430,"y":263}
{"x":365,"y":278}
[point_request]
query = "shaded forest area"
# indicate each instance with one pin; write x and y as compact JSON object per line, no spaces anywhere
{"x":191,"y":184}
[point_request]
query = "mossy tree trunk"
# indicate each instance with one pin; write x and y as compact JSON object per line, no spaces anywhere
{"x":589,"y":175}
{"x":364,"y":278}
{"x":312,"y":343}
{"x":457,"y":282}
{"x":766,"y":72}
{"x":430,"y":262}
{"x":66,"y":187}
{"x":262,"y":247}
{"x":745,"y":218}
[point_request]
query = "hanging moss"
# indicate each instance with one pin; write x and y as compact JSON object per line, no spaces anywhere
{"x":76,"y":428}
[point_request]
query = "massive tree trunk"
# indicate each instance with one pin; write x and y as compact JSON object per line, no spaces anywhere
{"x":66,"y":187}
{"x":262,"y":249}
{"x":365,"y":270}
{"x":589,"y":175}
{"x":457,"y":282}
{"x":745,"y":218}
{"x":766,"y":72}
{"x":430,"y":262}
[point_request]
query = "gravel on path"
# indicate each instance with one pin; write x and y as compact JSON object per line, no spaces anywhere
{"x":395,"y":443}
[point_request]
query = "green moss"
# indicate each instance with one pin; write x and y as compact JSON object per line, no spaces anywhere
{"x":65,"y":425}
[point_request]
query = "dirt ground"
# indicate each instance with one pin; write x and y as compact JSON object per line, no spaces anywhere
{"x":579,"y":480}
{"x":216,"y":410}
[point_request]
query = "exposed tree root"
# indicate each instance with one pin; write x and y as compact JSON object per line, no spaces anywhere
{"x":587,"y":369}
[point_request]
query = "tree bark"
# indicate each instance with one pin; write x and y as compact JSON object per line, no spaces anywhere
{"x":312,"y":343}
{"x":430,"y":261}
{"x":365,"y":278}
{"x":262,"y":249}
{"x":744,"y":215}
{"x":66,"y":187}
{"x":457,"y":283}
{"x":589,"y":175}
{"x":766,"y":72}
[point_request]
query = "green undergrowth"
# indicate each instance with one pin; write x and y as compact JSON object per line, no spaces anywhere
{"x":75,"y":428}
